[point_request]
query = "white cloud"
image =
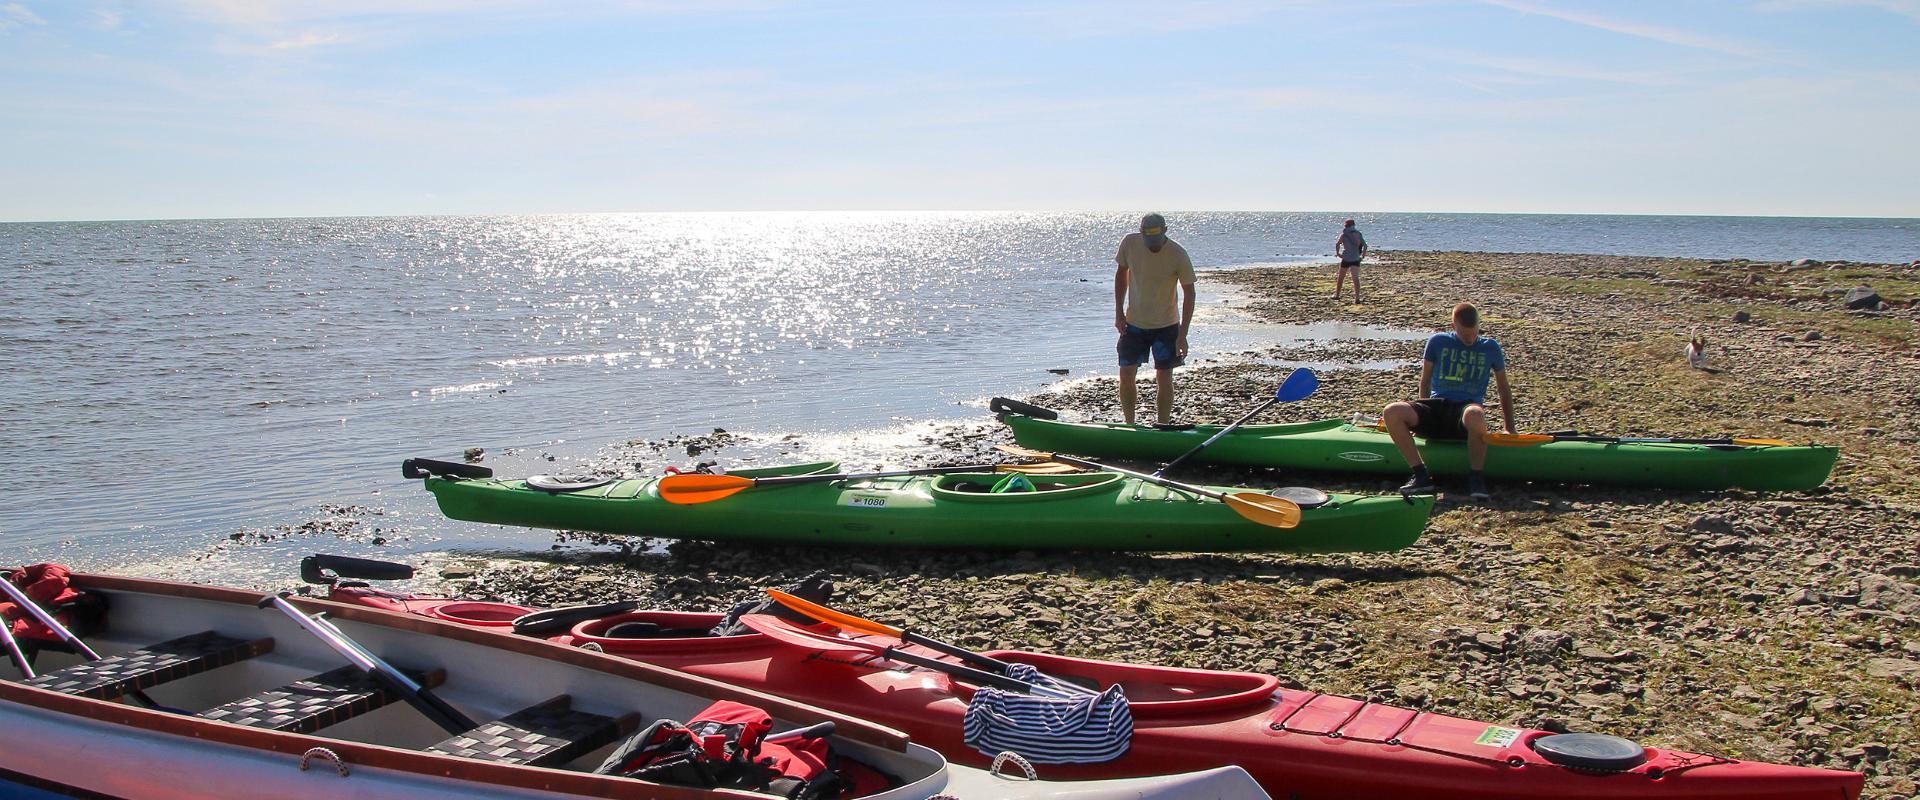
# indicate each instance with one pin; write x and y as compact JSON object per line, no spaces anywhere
{"x":307,"y":40}
{"x":1905,"y":8}
{"x":13,"y":15}
{"x":106,"y":19}
{"x":1544,"y":68}
{"x":1639,"y":30}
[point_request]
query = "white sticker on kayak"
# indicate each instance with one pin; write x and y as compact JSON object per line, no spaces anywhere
{"x":1496,"y":736}
{"x":1362,"y":456}
{"x":863,"y":501}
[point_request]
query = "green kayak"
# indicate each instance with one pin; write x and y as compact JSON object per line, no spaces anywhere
{"x":1085,"y":511}
{"x":1335,"y":445}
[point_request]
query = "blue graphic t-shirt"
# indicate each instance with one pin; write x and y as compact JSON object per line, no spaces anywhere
{"x":1460,"y":372}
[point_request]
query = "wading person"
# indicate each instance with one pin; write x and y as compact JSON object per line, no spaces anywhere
{"x":1453,"y":386}
{"x":1351,"y":248}
{"x":1146,"y":314}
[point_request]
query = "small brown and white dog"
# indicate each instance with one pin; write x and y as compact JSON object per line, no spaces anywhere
{"x":1697,"y":350}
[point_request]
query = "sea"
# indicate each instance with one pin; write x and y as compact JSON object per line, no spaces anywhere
{"x":179,"y":397}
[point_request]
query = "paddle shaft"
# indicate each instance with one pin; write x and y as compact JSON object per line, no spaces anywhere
{"x":849,"y":622}
{"x":442,"y":714}
{"x":13,"y":648}
{"x":1189,"y":488}
{"x":966,"y":673}
{"x":1215,"y":437}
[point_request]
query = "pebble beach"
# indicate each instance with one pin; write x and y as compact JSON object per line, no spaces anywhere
{"x":1771,"y":626}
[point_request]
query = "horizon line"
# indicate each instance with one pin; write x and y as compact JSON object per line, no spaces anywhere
{"x":1692,"y":214}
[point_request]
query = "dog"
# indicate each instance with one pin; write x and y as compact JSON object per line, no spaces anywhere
{"x":1697,"y":350}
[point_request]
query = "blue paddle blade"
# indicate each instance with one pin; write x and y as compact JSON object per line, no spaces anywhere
{"x":1299,"y":385}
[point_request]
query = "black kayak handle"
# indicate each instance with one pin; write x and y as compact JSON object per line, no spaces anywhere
{"x":414,"y":468}
{"x":1002,"y":405}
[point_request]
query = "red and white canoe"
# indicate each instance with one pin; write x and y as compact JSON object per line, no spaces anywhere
{"x":253,"y":702}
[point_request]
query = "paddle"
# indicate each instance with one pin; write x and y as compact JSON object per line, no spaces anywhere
{"x":789,"y":633}
{"x":376,"y":668}
{"x":1530,"y":439}
{"x":850,"y":622}
{"x":40,"y":615}
{"x":1272,"y":512}
{"x":694,"y":488}
{"x":1299,"y":385}
{"x":13,"y":647}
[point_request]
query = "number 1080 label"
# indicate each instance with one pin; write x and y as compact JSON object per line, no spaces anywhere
{"x":862,"y":501}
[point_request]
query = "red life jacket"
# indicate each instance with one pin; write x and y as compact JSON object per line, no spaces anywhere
{"x":47,"y":586}
{"x":724,"y":747}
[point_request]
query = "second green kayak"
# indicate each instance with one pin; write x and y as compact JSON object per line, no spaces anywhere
{"x":1335,"y":445}
{"x":1089,"y":511}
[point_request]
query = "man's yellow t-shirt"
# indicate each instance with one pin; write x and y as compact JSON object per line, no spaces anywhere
{"x":1151,"y":299}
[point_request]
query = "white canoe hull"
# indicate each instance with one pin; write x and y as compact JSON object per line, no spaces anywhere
{"x":119,"y":750}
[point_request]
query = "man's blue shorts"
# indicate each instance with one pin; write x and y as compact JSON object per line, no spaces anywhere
{"x":1164,"y":342}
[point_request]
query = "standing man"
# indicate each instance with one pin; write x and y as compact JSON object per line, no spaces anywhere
{"x":1351,"y":247}
{"x":1144,"y":312}
{"x":1453,"y":384}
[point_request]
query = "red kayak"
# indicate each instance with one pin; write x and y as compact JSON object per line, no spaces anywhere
{"x":1297,"y":744}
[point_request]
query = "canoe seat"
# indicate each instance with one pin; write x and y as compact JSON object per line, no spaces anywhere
{"x":134,"y":670}
{"x":305,"y":706}
{"x":546,"y":735}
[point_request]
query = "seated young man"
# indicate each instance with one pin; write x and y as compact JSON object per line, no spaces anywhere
{"x":1453,"y":385}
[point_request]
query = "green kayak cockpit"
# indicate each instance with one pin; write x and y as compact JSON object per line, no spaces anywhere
{"x":979,"y":487}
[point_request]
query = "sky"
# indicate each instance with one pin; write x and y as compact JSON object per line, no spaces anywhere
{"x":258,"y":108}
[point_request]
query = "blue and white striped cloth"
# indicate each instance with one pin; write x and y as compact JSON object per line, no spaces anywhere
{"x":1081,"y":729}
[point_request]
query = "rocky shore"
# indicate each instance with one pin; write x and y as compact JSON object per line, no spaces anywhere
{"x":1781,"y":627}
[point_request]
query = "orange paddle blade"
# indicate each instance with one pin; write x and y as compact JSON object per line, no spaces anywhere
{"x":1273,"y":512}
{"x":694,"y":488}
{"x":841,"y":620}
{"x":1517,"y":439}
{"x":1762,"y":443}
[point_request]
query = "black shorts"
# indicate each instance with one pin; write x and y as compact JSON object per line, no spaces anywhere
{"x":1162,"y":342}
{"x":1440,"y":418}
{"x":1349,"y":262}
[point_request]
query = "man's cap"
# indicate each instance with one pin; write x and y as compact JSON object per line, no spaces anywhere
{"x":1153,"y":228}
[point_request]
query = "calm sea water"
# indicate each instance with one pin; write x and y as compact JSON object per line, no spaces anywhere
{"x":167,"y":384}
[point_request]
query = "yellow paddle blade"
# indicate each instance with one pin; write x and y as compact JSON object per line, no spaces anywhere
{"x":1762,"y":443}
{"x":1267,"y":510}
{"x":1042,"y":468}
{"x":1016,"y":450}
{"x":692,"y":489}
{"x":841,"y":620}
{"x":1517,"y":439}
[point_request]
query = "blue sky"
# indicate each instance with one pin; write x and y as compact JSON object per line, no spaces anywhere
{"x":189,"y":108}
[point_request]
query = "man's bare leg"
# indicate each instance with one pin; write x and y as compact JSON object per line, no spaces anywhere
{"x":1356,"y":285}
{"x":1128,"y":396}
{"x":1163,"y":399}
{"x":1475,"y":420}
{"x":1339,"y":282}
{"x":1400,"y":419}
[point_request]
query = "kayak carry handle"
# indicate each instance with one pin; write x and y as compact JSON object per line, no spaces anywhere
{"x":1002,"y":405}
{"x":414,"y":468}
{"x":314,"y":569}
